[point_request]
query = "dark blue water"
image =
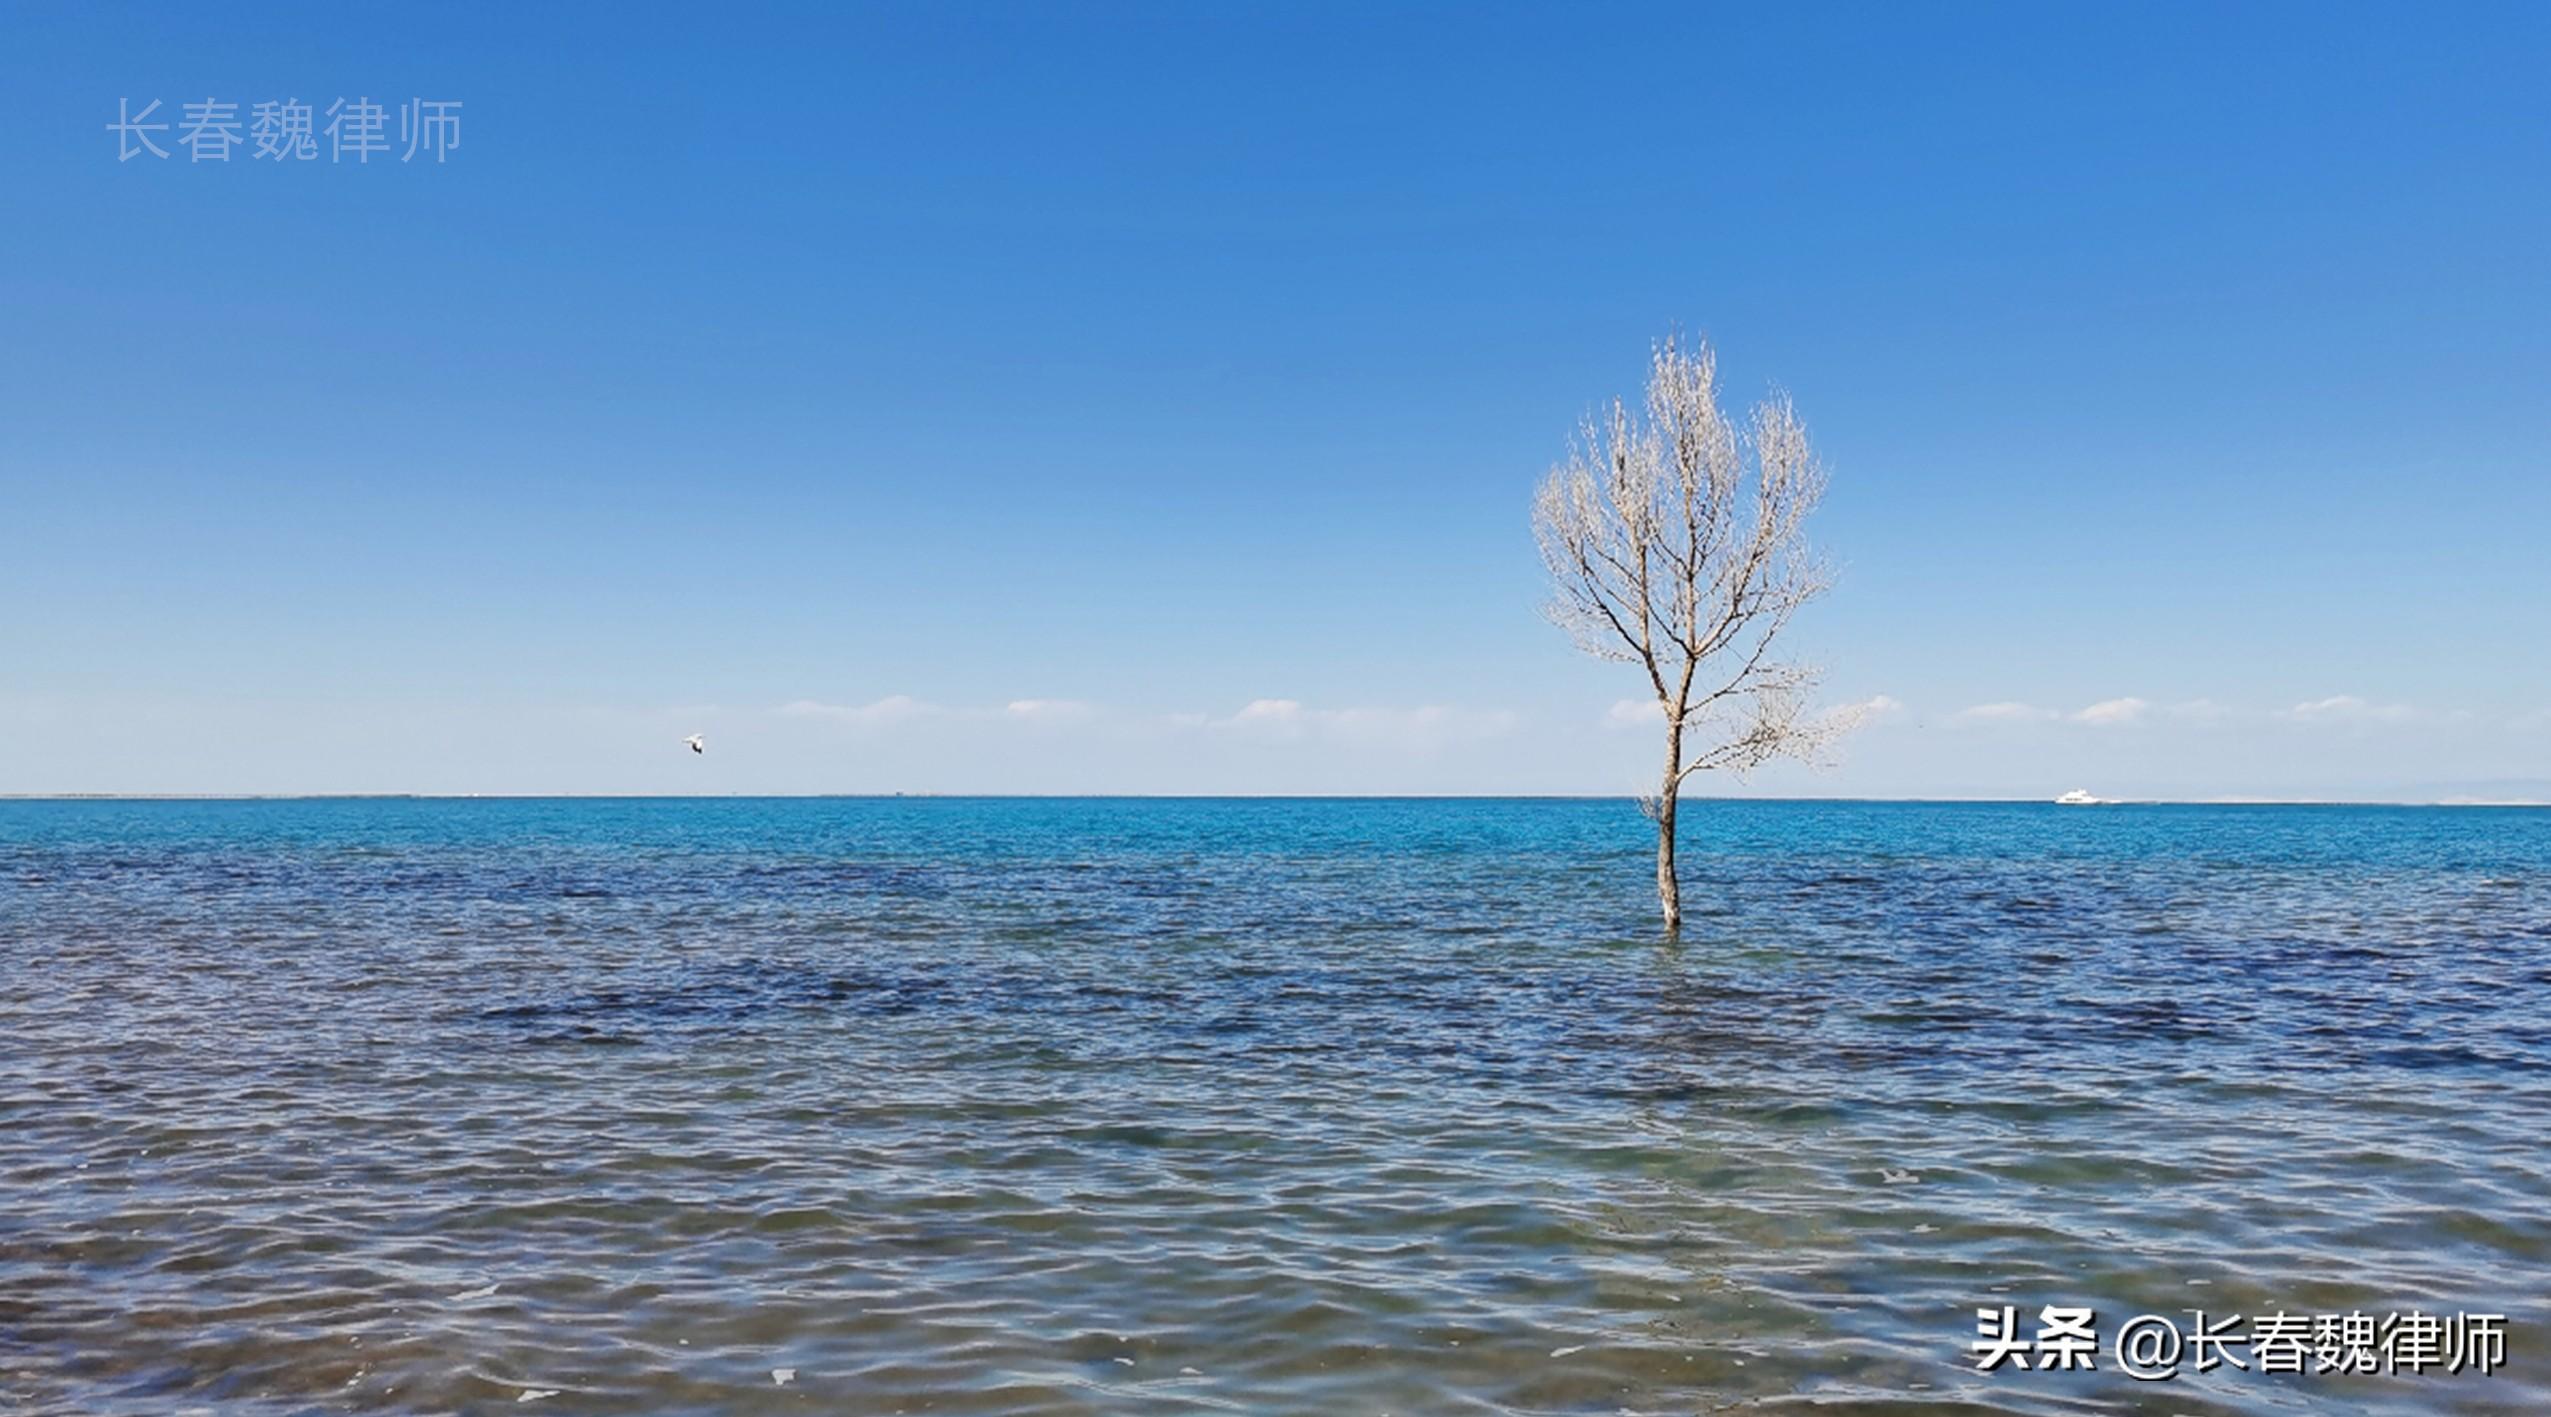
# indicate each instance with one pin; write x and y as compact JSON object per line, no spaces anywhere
{"x":1249,"y":1106}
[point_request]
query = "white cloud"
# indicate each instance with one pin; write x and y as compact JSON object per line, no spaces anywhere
{"x":1634,"y":713}
{"x":1428,"y":726}
{"x":1647,"y":713}
{"x":2003,"y":713}
{"x":1844,"y":717}
{"x":1049,"y":710}
{"x":2112,"y":711}
{"x":1285,"y":713}
{"x":894,"y":708}
{"x":1276,"y":720}
{"x":2109,"y":713}
{"x":904,"y":708}
{"x":2347,"y":708}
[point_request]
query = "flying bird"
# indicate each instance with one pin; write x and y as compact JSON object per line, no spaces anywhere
{"x":696,"y":743}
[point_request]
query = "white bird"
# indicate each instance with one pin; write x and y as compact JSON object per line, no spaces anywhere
{"x":696,"y":743}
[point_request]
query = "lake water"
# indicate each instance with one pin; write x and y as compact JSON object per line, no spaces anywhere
{"x":1075,"y":1106}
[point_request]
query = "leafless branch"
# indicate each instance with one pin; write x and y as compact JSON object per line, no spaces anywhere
{"x":1676,"y":540}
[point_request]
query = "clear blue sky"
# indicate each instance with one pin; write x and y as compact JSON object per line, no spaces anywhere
{"x":833,"y":379}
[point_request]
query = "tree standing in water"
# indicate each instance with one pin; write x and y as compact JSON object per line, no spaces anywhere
{"x":1677,"y":541}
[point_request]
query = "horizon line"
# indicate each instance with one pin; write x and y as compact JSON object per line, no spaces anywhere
{"x":2225,"y":801}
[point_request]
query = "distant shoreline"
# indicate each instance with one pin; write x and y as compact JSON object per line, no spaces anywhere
{"x":1225,"y":797}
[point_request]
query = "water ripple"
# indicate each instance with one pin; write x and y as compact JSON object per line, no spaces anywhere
{"x":1093,"y":1107}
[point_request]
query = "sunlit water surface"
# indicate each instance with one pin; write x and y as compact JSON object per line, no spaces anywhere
{"x":1188,"y":1107}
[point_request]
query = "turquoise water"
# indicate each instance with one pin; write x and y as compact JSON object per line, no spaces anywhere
{"x":1249,"y":1106}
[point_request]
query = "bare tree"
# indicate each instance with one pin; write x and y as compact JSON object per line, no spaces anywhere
{"x":1677,"y":542}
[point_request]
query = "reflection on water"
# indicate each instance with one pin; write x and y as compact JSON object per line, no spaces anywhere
{"x":1020,"y":1106}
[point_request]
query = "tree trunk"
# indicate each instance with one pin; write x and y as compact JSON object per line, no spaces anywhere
{"x":1669,"y":892}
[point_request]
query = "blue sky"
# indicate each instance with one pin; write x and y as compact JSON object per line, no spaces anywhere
{"x":1010,"y":398}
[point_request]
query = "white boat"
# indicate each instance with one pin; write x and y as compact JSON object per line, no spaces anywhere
{"x":2079,"y":798}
